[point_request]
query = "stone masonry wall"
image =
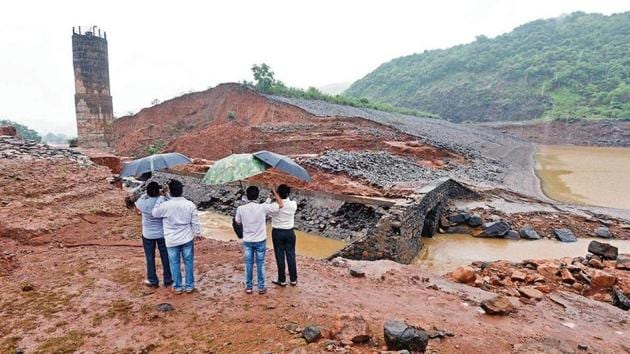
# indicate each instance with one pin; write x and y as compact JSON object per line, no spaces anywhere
{"x":398,"y":234}
{"x":93,"y":102}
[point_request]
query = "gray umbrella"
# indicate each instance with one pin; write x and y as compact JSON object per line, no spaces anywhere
{"x":153,"y":163}
{"x":283,"y":163}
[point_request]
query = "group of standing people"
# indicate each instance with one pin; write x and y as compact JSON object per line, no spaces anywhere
{"x":170,"y":223}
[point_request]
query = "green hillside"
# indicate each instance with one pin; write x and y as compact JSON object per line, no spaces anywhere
{"x":575,"y":66}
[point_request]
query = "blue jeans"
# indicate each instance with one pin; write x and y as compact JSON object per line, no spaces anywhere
{"x":255,"y":250}
{"x":187,"y":252}
{"x":149,"y":252}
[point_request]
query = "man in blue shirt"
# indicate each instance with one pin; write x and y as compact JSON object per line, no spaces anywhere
{"x":153,"y":235}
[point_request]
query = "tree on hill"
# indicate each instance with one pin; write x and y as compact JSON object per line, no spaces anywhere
{"x":575,"y":66}
{"x":23,"y":131}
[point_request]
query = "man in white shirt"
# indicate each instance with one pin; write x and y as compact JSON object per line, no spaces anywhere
{"x":283,"y":237}
{"x":253,"y":217}
{"x":181,"y":226}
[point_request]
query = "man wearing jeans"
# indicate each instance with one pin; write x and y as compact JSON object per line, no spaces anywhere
{"x":253,"y":217}
{"x":181,"y":226}
{"x":152,"y":236}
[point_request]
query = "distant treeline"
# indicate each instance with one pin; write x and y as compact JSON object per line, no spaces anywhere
{"x":265,"y":82}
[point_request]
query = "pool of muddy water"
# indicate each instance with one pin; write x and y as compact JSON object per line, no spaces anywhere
{"x":585,"y":174}
{"x":219,"y":227}
{"x":440,"y":254}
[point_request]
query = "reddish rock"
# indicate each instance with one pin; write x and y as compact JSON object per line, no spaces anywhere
{"x":499,"y":305}
{"x":543,"y":288}
{"x":464,"y":275}
{"x":623,"y":262}
{"x":351,"y":327}
{"x":578,"y":286}
{"x":566,"y":276}
{"x":530,"y":293}
{"x":8,"y":130}
{"x":110,"y":161}
{"x":548,"y":270}
{"x":596,"y":263}
{"x":602,"y":280}
{"x":518,"y":275}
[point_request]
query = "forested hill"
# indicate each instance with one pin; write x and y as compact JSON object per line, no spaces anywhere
{"x":575,"y":66}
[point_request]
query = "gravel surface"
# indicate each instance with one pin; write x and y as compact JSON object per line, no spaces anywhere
{"x":386,"y":170}
{"x":511,"y":159}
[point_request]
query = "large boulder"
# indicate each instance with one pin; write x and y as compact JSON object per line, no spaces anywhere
{"x":602,"y":280}
{"x":512,"y":235}
{"x":603,"y":232}
{"x":623,"y":261}
{"x":499,"y":305}
{"x":603,"y":250}
{"x":459,"y":218}
{"x":531,"y":293}
{"x":565,"y":235}
{"x":311,"y":334}
{"x":496,"y":228}
{"x":474,"y":220}
{"x":527,"y":232}
{"x":401,"y":336}
{"x":464,"y":274}
{"x":620,"y":299}
{"x":351,"y":327}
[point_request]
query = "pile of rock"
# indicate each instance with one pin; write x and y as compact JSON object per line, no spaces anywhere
{"x":12,"y":147}
{"x":603,"y":275}
{"x":464,"y":222}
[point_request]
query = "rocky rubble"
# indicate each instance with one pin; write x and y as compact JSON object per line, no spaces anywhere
{"x":16,"y":148}
{"x":548,"y":225}
{"x":601,"y":279}
{"x":385,"y":170}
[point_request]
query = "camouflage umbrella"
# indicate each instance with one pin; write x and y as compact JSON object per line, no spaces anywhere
{"x":234,"y":168}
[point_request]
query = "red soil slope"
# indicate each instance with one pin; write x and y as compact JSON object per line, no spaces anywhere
{"x":231,"y":118}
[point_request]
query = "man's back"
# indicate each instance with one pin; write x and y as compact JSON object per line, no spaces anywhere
{"x":151,"y":227}
{"x":180,"y":220}
{"x":253,"y":217}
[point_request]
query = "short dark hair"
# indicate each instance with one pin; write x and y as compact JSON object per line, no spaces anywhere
{"x":153,"y":189}
{"x":284,"y":191}
{"x":176,"y":188}
{"x":252,"y":193}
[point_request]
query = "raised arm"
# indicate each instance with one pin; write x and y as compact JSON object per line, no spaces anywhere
{"x":159,"y":209}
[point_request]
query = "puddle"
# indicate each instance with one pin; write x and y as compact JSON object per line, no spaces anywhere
{"x":219,"y":227}
{"x":445,"y":252}
{"x":585,"y":175}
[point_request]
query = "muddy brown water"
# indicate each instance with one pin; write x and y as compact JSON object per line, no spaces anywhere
{"x":219,"y":227}
{"x":444,"y":252}
{"x":585,"y":175}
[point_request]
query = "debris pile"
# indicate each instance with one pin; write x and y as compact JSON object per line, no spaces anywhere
{"x":14,"y":148}
{"x":602,"y":275}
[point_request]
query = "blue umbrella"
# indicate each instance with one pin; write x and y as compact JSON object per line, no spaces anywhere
{"x":154,"y":163}
{"x":283,"y":164}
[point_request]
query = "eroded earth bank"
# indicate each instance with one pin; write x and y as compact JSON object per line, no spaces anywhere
{"x":72,"y":265}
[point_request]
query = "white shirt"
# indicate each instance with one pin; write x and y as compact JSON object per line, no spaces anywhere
{"x":284,"y":217}
{"x":253,"y":217}
{"x":180,"y":220}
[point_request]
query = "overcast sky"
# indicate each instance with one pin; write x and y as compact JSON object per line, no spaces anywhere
{"x":160,"y":49}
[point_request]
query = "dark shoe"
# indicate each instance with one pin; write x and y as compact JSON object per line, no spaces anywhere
{"x":294,"y":283}
{"x":150,"y":285}
{"x":167,"y":284}
{"x":262,"y":291}
{"x":278,"y":283}
{"x":248,"y":291}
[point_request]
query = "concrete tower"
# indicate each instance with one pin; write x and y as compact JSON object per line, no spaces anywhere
{"x":92,"y":99}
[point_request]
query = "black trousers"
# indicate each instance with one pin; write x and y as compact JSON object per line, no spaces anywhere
{"x":284,"y":248}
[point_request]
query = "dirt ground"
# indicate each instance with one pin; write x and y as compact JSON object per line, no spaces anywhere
{"x":79,"y":288}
